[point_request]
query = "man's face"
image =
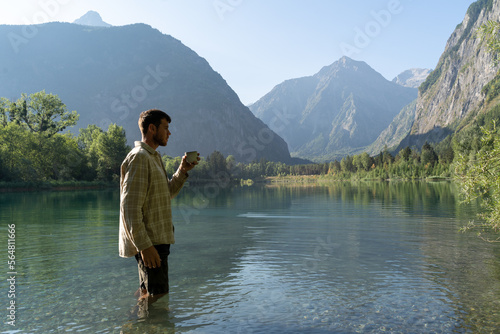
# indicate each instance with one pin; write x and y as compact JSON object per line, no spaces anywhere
{"x":162,"y":133}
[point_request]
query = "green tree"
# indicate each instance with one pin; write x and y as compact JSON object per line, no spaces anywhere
{"x":346,"y":164}
{"x":447,"y":155}
{"x":88,"y":145}
{"x":217,"y":163}
{"x":230,"y":162}
{"x":56,"y":157}
{"x":88,"y":136}
{"x":13,"y":153}
{"x":387,"y":157}
{"x":428,"y":155}
{"x":29,"y":157}
{"x":405,"y":153}
{"x":172,"y":164}
{"x":357,"y":163}
{"x":366,"y":161}
{"x":42,"y":113}
{"x":111,"y":150}
{"x":489,"y":32}
{"x":479,"y":176}
{"x":334,"y":167}
{"x":5,"y":106}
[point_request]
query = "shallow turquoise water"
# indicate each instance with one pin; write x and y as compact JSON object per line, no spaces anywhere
{"x":342,"y":258}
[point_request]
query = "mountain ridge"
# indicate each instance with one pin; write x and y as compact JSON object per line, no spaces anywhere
{"x":339,"y":110}
{"x":111,"y":74}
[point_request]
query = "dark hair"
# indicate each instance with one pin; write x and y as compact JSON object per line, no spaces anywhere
{"x":151,"y":116}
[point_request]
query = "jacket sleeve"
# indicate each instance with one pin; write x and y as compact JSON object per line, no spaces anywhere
{"x":175,"y":184}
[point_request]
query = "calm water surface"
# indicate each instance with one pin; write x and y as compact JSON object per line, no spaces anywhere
{"x":338,"y":258}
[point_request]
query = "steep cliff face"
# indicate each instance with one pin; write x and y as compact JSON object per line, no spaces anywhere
{"x":396,"y":132}
{"x":453,"y":90}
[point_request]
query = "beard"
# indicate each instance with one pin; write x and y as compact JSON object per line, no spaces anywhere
{"x":161,"y":141}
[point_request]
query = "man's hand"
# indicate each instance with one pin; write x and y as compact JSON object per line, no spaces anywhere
{"x":186,"y":166}
{"x":151,"y":258}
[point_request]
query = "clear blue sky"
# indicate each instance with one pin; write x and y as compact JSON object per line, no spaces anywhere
{"x":257,"y":44}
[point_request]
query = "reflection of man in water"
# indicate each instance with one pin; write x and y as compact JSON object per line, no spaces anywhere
{"x":146,"y":228}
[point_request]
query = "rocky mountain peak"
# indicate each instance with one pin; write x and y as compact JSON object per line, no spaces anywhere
{"x":337,"y":111}
{"x":413,"y":77}
{"x":344,"y":65}
{"x":92,"y":18}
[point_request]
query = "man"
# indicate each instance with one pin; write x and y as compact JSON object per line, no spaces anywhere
{"x":146,"y":228}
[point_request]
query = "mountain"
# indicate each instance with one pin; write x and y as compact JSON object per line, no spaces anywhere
{"x":412,"y":78}
{"x":111,"y":74}
{"x":339,"y":110}
{"x":396,"y":132}
{"x":92,"y":19}
{"x":453,"y":93}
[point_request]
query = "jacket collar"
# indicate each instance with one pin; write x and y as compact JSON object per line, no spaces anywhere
{"x":146,"y":147}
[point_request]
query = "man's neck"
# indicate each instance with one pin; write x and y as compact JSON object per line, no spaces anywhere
{"x":154,"y":145}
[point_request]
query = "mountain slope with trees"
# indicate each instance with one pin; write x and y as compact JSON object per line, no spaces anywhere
{"x":110,"y":74}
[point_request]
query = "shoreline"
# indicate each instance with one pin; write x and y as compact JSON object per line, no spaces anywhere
{"x":291,"y":179}
{"x":6,"y":187}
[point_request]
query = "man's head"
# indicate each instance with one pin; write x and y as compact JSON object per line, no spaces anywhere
{"x":154,"y":127}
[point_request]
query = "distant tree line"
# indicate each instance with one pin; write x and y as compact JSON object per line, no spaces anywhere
{"x":407,"y":164}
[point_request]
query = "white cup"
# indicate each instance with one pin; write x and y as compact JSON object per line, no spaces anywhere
{"x":192,"y":156}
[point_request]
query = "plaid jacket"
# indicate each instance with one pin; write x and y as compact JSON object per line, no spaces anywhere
{"x":145,"y":195}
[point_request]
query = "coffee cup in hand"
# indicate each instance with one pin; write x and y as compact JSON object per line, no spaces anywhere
{"x":192,"y":156}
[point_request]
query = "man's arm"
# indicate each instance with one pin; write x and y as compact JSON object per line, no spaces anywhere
{"x":133,"y":196}
{"x":180,"y":176}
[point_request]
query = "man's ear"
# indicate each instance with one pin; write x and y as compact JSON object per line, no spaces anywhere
{"x":152,"y":128}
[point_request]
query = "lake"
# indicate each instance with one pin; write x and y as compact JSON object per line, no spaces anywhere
{"x":329,"y":258}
